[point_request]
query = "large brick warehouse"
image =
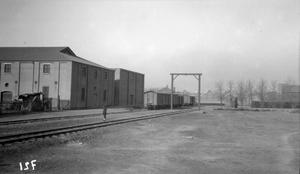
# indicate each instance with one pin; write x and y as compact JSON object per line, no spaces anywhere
{"x":70,"y":81}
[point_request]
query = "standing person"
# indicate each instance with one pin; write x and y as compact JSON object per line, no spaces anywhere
{"x":104,"y":112}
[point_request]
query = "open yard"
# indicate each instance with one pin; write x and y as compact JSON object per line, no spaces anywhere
{"x":218,"y":142}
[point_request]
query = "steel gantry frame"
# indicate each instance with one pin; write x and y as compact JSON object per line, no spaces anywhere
{"x":193,"y":74}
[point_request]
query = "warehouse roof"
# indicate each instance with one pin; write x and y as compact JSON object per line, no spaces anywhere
{"x":42,"y":54}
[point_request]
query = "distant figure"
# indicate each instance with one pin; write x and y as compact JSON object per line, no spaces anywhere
{"x":104,"y":112}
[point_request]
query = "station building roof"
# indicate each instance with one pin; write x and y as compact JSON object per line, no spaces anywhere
{"x":43,"y":54}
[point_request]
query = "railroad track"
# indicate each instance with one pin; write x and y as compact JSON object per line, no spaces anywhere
{"x":8,"y":139}
{"x":58,"y":118}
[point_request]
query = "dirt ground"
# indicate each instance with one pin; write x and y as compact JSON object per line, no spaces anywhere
{"x":218,"y":142}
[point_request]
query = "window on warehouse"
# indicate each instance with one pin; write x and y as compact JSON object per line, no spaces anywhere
{"x":84,"y":70}
{"x":46,"y":68}
{"x":95,"y":73}
{"x":105,"y":75}
{"x":7,"y":68}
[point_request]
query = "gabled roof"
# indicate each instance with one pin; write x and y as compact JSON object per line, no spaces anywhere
{"x":42,"y":54}
{"x":153,"y":89}
{"x":185,"y":92}
{"x":207,"y":92}
{"x":165,"y":90}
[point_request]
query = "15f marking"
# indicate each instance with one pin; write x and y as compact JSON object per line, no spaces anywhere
{"x":26,"y":165}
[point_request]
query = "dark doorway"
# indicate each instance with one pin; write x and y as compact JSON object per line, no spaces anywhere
{"x":6,"y":96}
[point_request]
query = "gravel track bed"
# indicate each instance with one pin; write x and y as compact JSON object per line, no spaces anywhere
{"x":36,"y":126}
{"x":217,"y":142}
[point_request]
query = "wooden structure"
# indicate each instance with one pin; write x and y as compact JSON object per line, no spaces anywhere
{"x":196,"y":75}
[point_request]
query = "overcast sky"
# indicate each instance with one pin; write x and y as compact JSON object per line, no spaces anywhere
{"x":222,"y":39}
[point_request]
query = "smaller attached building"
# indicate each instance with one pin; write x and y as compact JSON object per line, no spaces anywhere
{"x":129,"y":88}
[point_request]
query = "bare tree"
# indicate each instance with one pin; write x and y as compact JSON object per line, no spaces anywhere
{"x":250,"y":90}
{"x":290,"y":81}
{"x":230,"y":85}
{"x":220,"y":91}
{"x":241,"y":92}
{"x":261,"y":90}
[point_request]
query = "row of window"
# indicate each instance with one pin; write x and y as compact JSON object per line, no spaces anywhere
{"x":95,"y":73}
{"x":7,"y":68}
{"x":46,"y":70}
{"x":45,"y":90}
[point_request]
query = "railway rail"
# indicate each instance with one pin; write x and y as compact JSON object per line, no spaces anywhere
{"x":8,"y":139}
{"x":58,"y":118}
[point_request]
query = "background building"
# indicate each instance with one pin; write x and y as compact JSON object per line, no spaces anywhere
{"x":129,"y":88}
{"x":70,"y":82}
{"x":291,"y":95}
